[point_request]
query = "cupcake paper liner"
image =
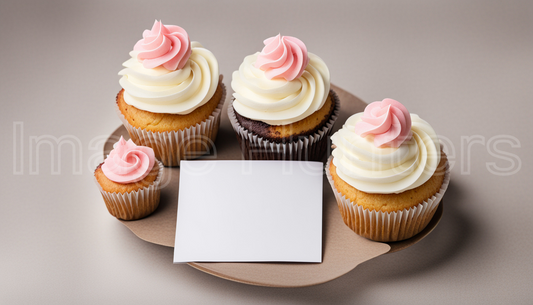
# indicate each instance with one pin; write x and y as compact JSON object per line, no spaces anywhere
{"x":136,"y":204}
{"x":173,"y":146}
{"x":387,"y":226}
{"x":308,"y":148}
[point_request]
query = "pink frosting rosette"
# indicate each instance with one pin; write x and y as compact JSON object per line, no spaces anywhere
{"x":388,"y":121}
{"x":164,"y":45}
{"x":283,"y":57}
{"x":128,"y":162}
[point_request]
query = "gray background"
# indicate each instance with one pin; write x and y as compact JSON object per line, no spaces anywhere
{"x":464,"y":66}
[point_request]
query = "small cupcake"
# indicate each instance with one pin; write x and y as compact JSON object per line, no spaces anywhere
{"x":387,"y":171}
{"x":129,"y":180}
{"x":172,"y":95}
{"x":283,"y":108}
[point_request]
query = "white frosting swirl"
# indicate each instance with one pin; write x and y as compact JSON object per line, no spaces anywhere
{"x":163,"y":91}
{"x":385,"y":170}
{"x":277,"y":101}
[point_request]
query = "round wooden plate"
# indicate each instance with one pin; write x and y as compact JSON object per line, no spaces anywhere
{"x":342,"y":250}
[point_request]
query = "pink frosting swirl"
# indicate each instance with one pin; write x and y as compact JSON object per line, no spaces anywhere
{"x":389,"y":122}
{"x":283,"y":57}
{"x":164,"y":45}
{"x":128,"y":162}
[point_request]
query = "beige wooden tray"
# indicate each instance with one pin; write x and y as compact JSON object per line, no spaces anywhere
{"x":342,"y":250}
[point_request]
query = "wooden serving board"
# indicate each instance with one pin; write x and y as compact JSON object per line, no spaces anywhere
{"x":342,"y":250}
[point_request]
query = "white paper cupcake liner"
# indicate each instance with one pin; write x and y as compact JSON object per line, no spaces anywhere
{"x":308,"y":148}
{"x":136,"y":204}
{"x":387,"y":226}
{"x":173,"y":146}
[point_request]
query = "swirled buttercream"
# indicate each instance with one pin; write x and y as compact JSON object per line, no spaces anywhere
{"x":283,"y":57}
{"x":164,"y":45}
{"x":388,"y":121}
{"x":128,"y":162}
{"x":278,"y":101}
{"x":385,"y":170}
{"x":161,"y":90}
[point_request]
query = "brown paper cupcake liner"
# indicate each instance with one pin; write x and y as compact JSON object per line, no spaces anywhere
{"x":173,"y":146}
{"x":387,"y":226}
{"x":308,"y":148}
{"x":136,"y":204}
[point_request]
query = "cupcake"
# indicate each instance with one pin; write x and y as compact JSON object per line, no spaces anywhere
{"x":129,"y":180}
{"x":387,"y":171}
{"x":172,"y":95}
{"x":283,"y":107}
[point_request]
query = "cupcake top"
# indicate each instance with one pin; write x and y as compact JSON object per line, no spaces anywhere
{"x":167,"y":73}
{"x":385,"y":149}
{"x":282,"y":84}
{"x":127,"y":162}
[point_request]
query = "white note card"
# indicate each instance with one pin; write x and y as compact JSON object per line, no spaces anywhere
{"x":249,"y":211}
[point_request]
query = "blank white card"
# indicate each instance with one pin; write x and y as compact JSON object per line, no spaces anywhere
{"x":249,"y":211}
